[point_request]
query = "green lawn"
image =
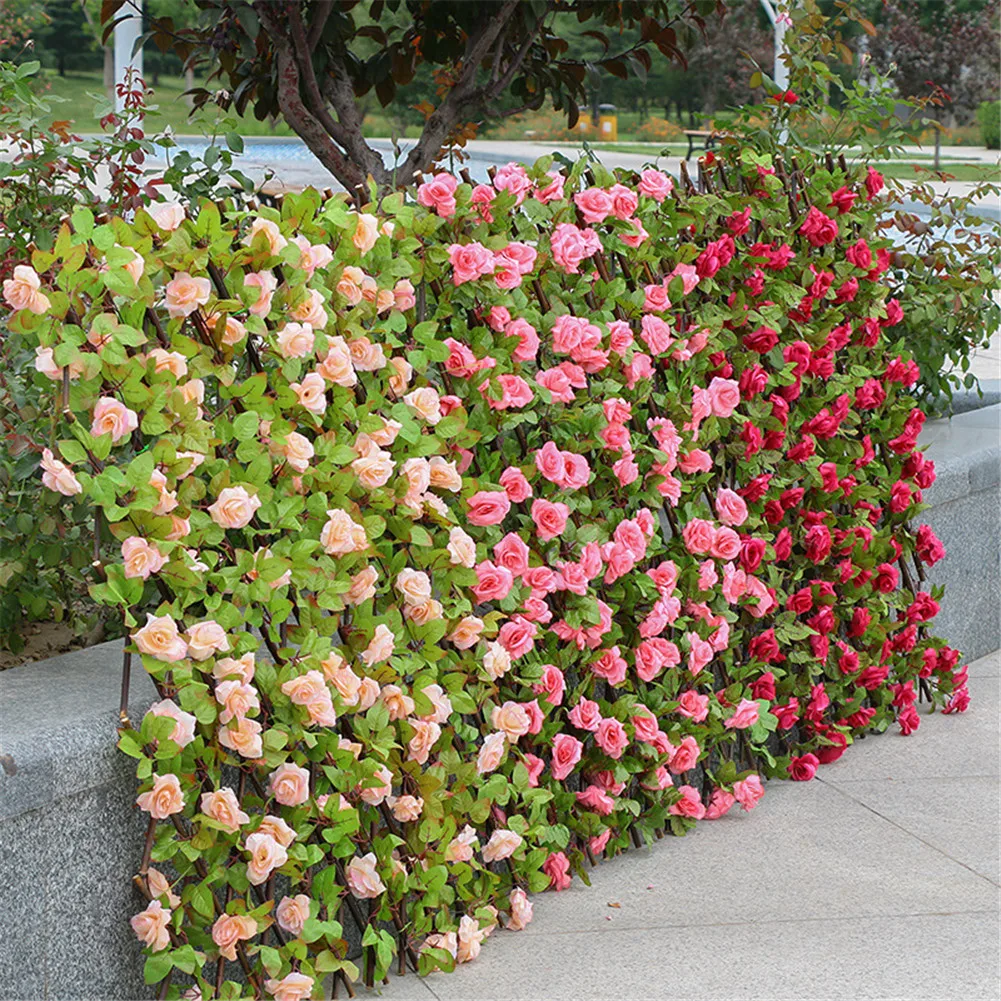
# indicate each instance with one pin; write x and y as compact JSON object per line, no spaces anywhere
{"x":954,"y":171}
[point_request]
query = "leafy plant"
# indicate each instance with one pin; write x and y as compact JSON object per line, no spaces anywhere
{"x":989,"y":118}
{"x":474,"y":536}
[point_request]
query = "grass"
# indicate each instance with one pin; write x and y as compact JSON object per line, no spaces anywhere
{"x":954,"y":171}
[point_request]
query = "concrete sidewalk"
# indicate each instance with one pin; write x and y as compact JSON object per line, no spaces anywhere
{"x":878,"y":880}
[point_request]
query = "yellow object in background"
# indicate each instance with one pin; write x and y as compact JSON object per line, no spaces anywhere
{"x":608,"y":122}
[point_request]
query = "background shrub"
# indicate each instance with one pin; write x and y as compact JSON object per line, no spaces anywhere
{"x":989,"y":117}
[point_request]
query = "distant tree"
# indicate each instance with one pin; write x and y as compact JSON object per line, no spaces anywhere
{"x":66,"y":40}
{"x":946,"y":50}
{"x":20,"y":20}
{"x":315,"y":61}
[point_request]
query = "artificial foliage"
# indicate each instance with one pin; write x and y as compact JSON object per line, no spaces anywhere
{"x":474,"y":534}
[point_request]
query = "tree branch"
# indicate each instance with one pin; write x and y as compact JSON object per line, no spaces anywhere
{"x":296,"y":114}
{"x":501,"y":85}
{"x":323,"y":9}
{"x":445,"y":117}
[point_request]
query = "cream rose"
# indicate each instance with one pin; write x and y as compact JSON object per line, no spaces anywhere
{"x":363,"y":879}
{"x":22,"y":291}
{"x":205,"y":639}
{"x":467,"y":633}
{"x":167,"y":215}
{"x":292,"y":913}
{"x":502,"y":844}
{"x":151,"y":926}
{"x":140,"y":558}
{"x":229,"y":930}
{"x":289,"y":784}
{"x":461,"y":548}
{"x":184,"y":294}
{"x":159,"y":638}
{"x":223,"y":807}
{"x":234,"y":507}
{"x":381,"y":646}
{"x":425,"y":403}
{"x":295,"y":340}
{"x":114,"y":418}
{"x":266,"y":855}
{"x":342,"y":535}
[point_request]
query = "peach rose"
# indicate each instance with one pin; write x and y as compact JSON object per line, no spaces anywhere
{"x":56,"y":475}
{"x":502,"y":844}
{"x":164,"y":799}
{"x":426,"y":734}
{"x":342,"y":535}
{"x":266,"y":855}
{"x":233,"y":332}
{"x":289,"y":784}
{"x":460,"y":848}
{"x":381,"y":646}
{"x":295,"y":340}
{"x":363,"y":879}
{"x":425,"y":403}
{"x":241,"y":668}
{"x":386,"y":435}
{"x":223,"y":807}
{"x":496,"y":661}
{"x":169,"y":361}
{"x":151,"y":926}
{"x":159,"y":638}
{"x":230,"y":929}
{"x":184,"y":723}
{"x":184,"y":294}
{"x":511,"y":719}
{"x":521,"y":911}
{"x":402,"y":373}
{"x":167,"y":501}
{"x":443,"y":474}
{"x":205,"y":639}
{"x":234,"y":507}
{"x":298,"y":450}
{"x":310,"y":310}
{"x":167,"y":215}
{"x":159,"y":886}
{"x":272,"y":235}
{"x":423,"y":614}
{"x":366,"y":232}
{"x":311,"y":392}
{"x":461,"y":548}
{"x":45,"y":363}
{"x":398,"y":704}
{"x":194,"y":460}
{"x":238,"y":699}
{"x":440,"y":701}
{"x":366,"y":356}
{"x":244,"y":738}
{"x":141,"y":559}
{"x":292,"y":987}
{"x":193,"y":391}
{"x":362,"y":586}
{"x":373,"y":470}
{"x":292,"y":913}
{"x":266,"y":282}
{"x":336,"y":366}
{"x":276,"y":828}
{"x":306,"y":688}
{"x":491,"y":753}
{"x":22,"y":291}
{"x":135,"y":267}
{"x":378,"y":786}
{"x":312,"y":256}
{"x":414,"y":585}
{"x":368,"y":693}
{"x":114,"y":418}
{"x":406,"y":809}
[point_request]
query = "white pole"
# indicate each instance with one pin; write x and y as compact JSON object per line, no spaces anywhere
{"x":127,"y":31}
{"x":780,"y":73}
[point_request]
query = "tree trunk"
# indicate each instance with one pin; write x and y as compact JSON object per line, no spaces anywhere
{"x":189,"y":83}
{"x":109,"y":71}
{"x":938,"y":146}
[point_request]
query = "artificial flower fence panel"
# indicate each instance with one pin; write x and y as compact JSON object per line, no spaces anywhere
{"x":471,"y":537}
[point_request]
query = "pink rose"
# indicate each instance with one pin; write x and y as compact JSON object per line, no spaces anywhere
{"x":528,"y":339}
{"x":515,"y":485}
{"x":730,"y":507}
{"x":550,"y":519}
{"x":655,"y":184}
{"x":571,"y":246}
{"x":439,"y":194}
{"x":724,"y":396}
{"x":585,"y":715}
{"x":745,"y":715}
{"x":566,"y":753}
{"x":698,"y":535}
{"x":488,"y":507}
{"x":689,"y":805}
{"x":611,"y":737}
{"x":595,"y":204}
{"x":469,"y":262}
{"x":557,"y":868}
{"x":748,"y":792}
{"x":492,"y":582}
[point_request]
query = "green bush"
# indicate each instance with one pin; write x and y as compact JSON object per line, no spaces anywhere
{"x":989,"y":117}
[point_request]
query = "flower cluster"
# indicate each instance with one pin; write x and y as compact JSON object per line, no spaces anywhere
{"x":472,"y":536}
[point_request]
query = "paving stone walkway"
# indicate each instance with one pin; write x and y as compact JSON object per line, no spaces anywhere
{"x":880,"y":879}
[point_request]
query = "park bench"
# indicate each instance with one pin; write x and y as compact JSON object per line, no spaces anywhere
{"x":692,"y":134}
